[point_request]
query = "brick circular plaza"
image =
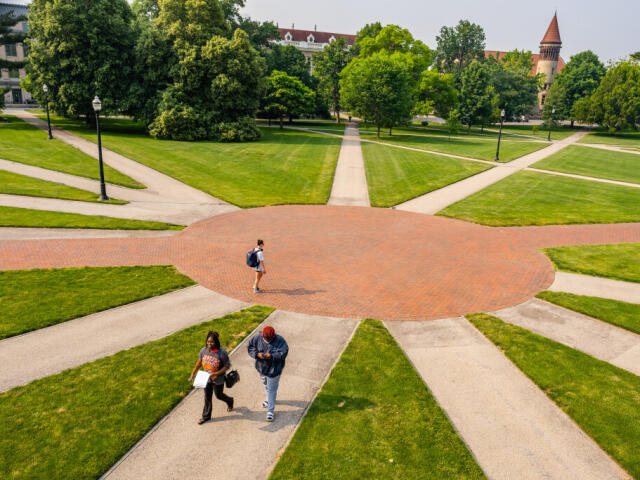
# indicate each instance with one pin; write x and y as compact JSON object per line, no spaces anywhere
{"x":364,"y":262}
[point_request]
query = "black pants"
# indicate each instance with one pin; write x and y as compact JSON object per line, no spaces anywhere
{"x":208,"y":392}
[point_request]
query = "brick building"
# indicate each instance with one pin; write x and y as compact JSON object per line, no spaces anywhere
{"x":10,"y":77}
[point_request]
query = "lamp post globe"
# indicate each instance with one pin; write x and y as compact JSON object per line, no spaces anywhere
{"x":45,"y":89}
{"x":502,"y":115}
{"x":97,"y":106}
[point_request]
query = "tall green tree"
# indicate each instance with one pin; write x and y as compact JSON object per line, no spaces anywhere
{"x":615,"y":104}
{"x":287,"y":95}
{"x":579,"y":79}
{"x":327,"y":67}
{"x":478,"y":99}
{"x":514,"y":83}
{"x":81,"y":49}
{"x":370,"y":30}
{"x":458,"y":47}
{"x":290,"y":60}
{"x":436,"y":94}
{"x":378,"y":88}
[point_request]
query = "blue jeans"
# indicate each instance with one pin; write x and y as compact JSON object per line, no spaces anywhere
{"x":271,"y":387}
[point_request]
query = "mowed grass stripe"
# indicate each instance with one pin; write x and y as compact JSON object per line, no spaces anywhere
{"x":375,"y":418}
{"x":618,"y":261}
{"x":621,"y":314}
{"x":78,"y":423}
{"x":395,"y":175}
{"x":23,"y":143}
{"x":594,"y":162}
{"x":16,"y":184}
{"x":604,"y":400}
{"x":628,"y":138}
{"x":26,"y":217}
{"x":33,"y":299}
{"x":534,"y":198}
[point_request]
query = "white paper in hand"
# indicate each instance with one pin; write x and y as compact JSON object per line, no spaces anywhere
{"x":201,"y":379}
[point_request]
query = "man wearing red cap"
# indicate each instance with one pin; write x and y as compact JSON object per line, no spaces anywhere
{"x":270,"y":351}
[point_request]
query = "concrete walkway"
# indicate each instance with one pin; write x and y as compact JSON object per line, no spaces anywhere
{"x":11,"y":233}
{"x":584,"y":177}
{"x":350,"y":180}
{"x":241,"y":444}
{"x":437,"y":200}
{"x":88,"y":338}
{"x":613,"y":148}
{"x":599,"y":339}
{"x":596,"y":287}
{"x":512,"y":428}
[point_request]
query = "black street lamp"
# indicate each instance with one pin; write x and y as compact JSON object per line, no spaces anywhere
{"x":553,"y":110}
{"x":45,"y":89}
{"x":502,"y":114}
{"x":97,"y":106}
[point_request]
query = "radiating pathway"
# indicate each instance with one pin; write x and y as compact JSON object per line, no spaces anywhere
{"x":242,"y":445}
{"x":596,"y":287}
{"x":512,"y":428}
{"x":613,"y":148}
{"x":85,"y":339}
{"x":350,"y":179}
{"x":599,"y":339}
{"x":437,"y":200}
{"x":584,"y":177}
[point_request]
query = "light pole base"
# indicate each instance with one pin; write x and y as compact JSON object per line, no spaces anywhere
{"x":104,"y":198}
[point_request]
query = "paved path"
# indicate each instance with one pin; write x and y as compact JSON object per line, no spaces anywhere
{"x":11,"y":233}
{"x":512,"y":428}
{"x":583,"y":177}
{"x":437,"y":200}
{"x":596,"y":287}
{"x":612,"y":148}
{"x":599,"y":339}
{"x":349,"y":262}
{"x":241,"y":445}
{"x":95,"y":336}
{"x":350,"y":180}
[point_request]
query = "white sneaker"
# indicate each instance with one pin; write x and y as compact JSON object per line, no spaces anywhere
{"x":265,"y":404}
{"x":270,"y":416}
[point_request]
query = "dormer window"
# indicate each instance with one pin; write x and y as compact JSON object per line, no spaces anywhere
{"x":311,"y":39}
{"x":288,"y":37}
{"x":332,"y":39}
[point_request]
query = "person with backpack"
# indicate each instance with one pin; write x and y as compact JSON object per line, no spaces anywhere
{"x":214,"y":360}
{"x":255,"y":259}
{"x":269,"y":351}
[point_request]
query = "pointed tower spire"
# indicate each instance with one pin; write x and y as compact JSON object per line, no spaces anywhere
{"x":553,"y":32}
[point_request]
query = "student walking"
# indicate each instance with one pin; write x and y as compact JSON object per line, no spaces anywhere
{"x":270,"y":351}
{"x":255,"y":260}
{"x":214,"y":360}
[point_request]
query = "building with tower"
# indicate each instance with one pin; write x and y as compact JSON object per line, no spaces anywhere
{"x":549,"y":57}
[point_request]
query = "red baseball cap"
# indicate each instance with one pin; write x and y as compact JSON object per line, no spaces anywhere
{"x":268,"y":332}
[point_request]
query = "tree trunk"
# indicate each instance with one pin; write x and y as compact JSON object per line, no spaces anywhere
{"x":482,"y":128}
{"x":337,"y":116}
{"x":269,"y":120}
{"x":290,"y":119}
{"x":390,"y":133}
{"x":572,"y":123}
{"x":468,"y":128}
{"x":281,"y":122}
{"x":378,"y":132}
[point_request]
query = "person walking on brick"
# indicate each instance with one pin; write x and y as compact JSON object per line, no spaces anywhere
{"x":269,"y":351}
{"x":259,"y":268}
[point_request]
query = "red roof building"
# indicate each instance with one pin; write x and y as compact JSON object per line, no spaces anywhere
{"x":310,"y":41}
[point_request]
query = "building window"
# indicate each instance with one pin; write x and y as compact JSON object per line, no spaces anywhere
{"x":287,"y":37}
{"x":11,"y":50}
{"x":332,"y":39}
{"x":542,"y":99}
{"x":14,"y":73}
{"x":310,"y":39}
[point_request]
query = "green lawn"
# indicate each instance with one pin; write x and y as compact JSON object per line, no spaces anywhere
{"x":33,"y":299}
{"x":628,"y":138}
{"x":395,"y":175}
{"x":284,"y":167}
{"x":602,"y":399}
{"x":375,"y":418}
{"x":78,"y":423}
{"x":557,"y":133}
{"x":25,"y":217}
{"x":532,"y":198}
{"x":594,"y":162}
{"x":622,"y":314}
{"x":22,"y":143}
{"x":618,"y":261}
{"x":15,"y":184}
{"x":464,"y":146}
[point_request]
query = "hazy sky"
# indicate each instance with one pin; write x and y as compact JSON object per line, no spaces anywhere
{"x":610,"y":28}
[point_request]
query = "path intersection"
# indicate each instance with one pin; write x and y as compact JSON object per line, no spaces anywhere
{"x":331,"y":266}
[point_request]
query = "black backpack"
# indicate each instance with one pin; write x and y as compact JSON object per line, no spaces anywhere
{"x":231,"y":378}
{"x":252,"y":258}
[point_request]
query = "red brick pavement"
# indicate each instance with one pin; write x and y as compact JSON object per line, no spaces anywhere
{"x":344,"y":261}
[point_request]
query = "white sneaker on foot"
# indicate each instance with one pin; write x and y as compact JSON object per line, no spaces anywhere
{"x":270,"y":416}
{"x":265,"y":404}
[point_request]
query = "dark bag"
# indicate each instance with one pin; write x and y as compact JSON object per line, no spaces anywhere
{"x":252,"y":258}
{"x":231,"y":378}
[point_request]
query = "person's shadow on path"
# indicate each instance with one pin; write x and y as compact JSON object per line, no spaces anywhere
{"x":292,"y":291}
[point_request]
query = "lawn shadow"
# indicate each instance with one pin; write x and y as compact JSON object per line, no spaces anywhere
{"x":282,"y":418}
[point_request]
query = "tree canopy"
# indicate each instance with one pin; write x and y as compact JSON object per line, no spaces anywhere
{"x":290,"y":60}
{"x":287,"y":95}
{"x":514,"y":83}
{"x":458,"y":47}
{"x":478,"y":99}
{"x":327,"y":67}
{"x":436,"y":94}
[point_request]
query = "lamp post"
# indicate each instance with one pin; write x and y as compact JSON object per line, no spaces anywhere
{"x":97,"y":106}
{"x":45,"y":89}
{"x":553,"y":110}
{"x":502,"y":114}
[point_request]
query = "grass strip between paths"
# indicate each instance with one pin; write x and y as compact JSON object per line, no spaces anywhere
{"x":395,"y":175}
{"x":26,"y":217}
{"x":375,"y":418}
{"x":617,"y":261}
{"x":33,"y":299}
{"x":533,"y":198}
{"x":23,"y":143}
{"x":604,"y":400}
{"x":621,"y":314}
{"x":78,"y":423}
{"x":16,"y":184}
{"x":626,"y":138}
